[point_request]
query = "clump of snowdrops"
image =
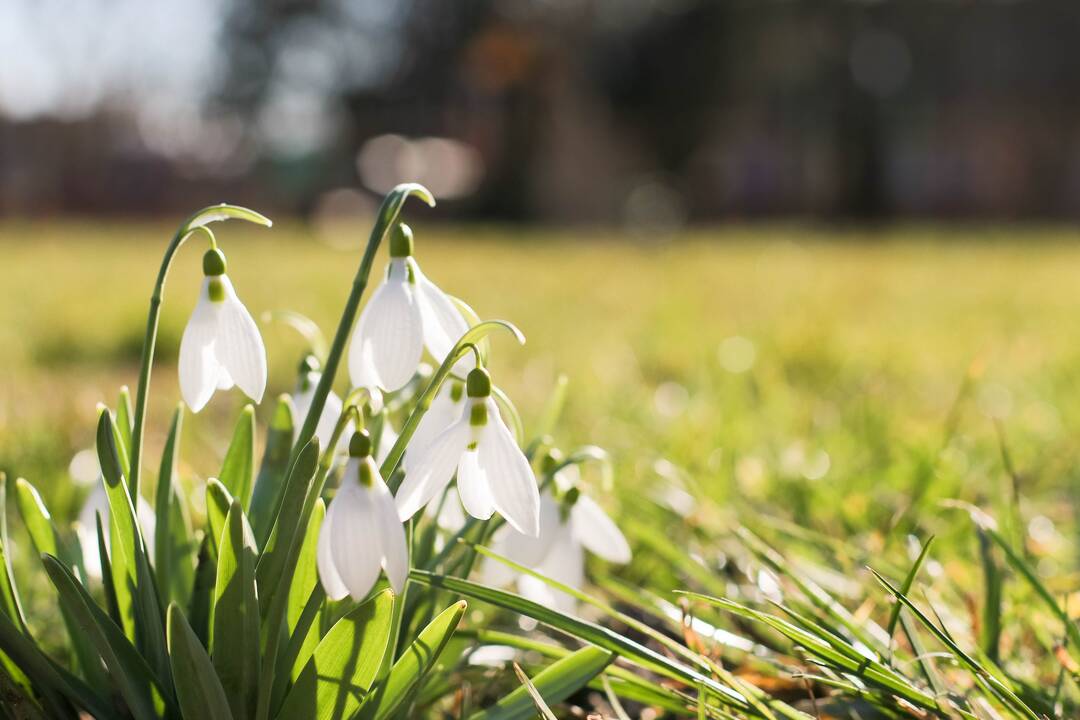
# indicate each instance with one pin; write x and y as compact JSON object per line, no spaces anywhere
{"x":329,"y":577}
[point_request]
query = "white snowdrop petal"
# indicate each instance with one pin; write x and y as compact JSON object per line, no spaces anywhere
{"x":493,"y":572}
{"x":473,"y":487}
{"x":302,"y":400}
{"x":198,"y":362}
{"x":355,"y":546}
{"x":443,"y":322}
{"x":391,"y":536}
{"x":433,"y":469}
{"x":512,"y":483}
{"x":387,"y":437}
{"x":565,"y":561}
{"x":86,"y":528}
{"x":568,"y":477}
{"x":361,"y":365}
{"x":224,"y":379}
{"x":324,"y":560}
{"x":239,"y":346}
{"x":536,"y":590}
{"x":447,"y":513}
{"x":598,"y":532}
{"x":441,"y":415}
{"x":389,"y":339}
{"x":565,"y":564}
{"x":331,"y":413}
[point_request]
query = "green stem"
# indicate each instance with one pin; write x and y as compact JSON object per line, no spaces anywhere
{"x":193,"y":224}
{"x":279,"y":606}
{"x":464,"y":345}
{"x":388,"y":215}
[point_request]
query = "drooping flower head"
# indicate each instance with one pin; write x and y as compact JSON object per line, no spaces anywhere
{"x":361,"y":534}
{"x":406,"y":313}
{"x":221,"y":346}
{"x":570,"y":523}
{"x":309,"y":375}
{"x":445,"y":409}
{"x":492,"y":472}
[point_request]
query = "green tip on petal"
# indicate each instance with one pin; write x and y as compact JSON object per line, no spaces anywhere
{"x":310,"y":363}
{"x":360,"y":444}
{"x":571,"y":497}
{"x":401,"y":241}
{"x":478,"y":383}
{"x":213,"y":263}
{"x":551,"y":460}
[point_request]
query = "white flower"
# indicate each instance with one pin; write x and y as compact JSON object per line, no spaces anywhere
{"x":406,"y":313}
{"x":86,"y":527}
{"x":332,"y":409}
{"x":567,"y":529}
{"x":221,"y":346}
{"x":387,"y":437}
{"x":492,"y":472}
{"x":445,"y":409}
{"x":361,"y":533}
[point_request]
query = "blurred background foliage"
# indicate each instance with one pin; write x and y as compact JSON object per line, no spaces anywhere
{"x":641,"y":113}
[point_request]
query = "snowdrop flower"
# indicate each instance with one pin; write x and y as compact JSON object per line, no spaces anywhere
{"x":302,"y":399}
{"x":492,"y":472}
{"x":447,"y":407}
{"x":387,"y":437}
{"x":86,"y":526}
{"x":406,"y":313}
{"x":361,"y":532}
{"x":221,"y":346}
{"x":568,"y":526}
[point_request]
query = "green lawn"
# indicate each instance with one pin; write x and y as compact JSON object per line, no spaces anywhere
{"x":834,"y":392}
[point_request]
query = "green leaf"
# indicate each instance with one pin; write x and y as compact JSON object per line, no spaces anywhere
{"x":132,"y":676}
{"x":172,"y":533}
{"x":554,"y":684}
{"x":9,"y":591}
{"x":218,"y":502}
{"x":306,"y":575}
{"x":107,"y":573}
{"x":534,"y":694}
{"x":238,"y":468}
{"x":962,"y":657}
{"x":202,"y":601}
{"x":131,"y":565}
{"x":223,"y":211}
{"x":270,"y":482}
{"x":585,"y":631}
{"x":275,"y":556}
{"x":198,"y":689}
{"x":343,"y":668}
{"x":234,"y":637}
{"x":46,"y":675}
{"x":411,"y":668}
{"x":46,"y":539}
{"x":18,"y":705}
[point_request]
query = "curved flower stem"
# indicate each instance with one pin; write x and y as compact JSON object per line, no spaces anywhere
{"x":196,"y":222}
{"x":465,"y":345}
{"x":279,"y":605}
{"x":388,"y":215}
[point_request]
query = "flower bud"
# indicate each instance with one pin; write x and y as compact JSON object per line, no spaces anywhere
{"x":213,"y":263}
{"x":478,"y":383}
{"x":401,"y":241}
{"x":360,"y":444}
